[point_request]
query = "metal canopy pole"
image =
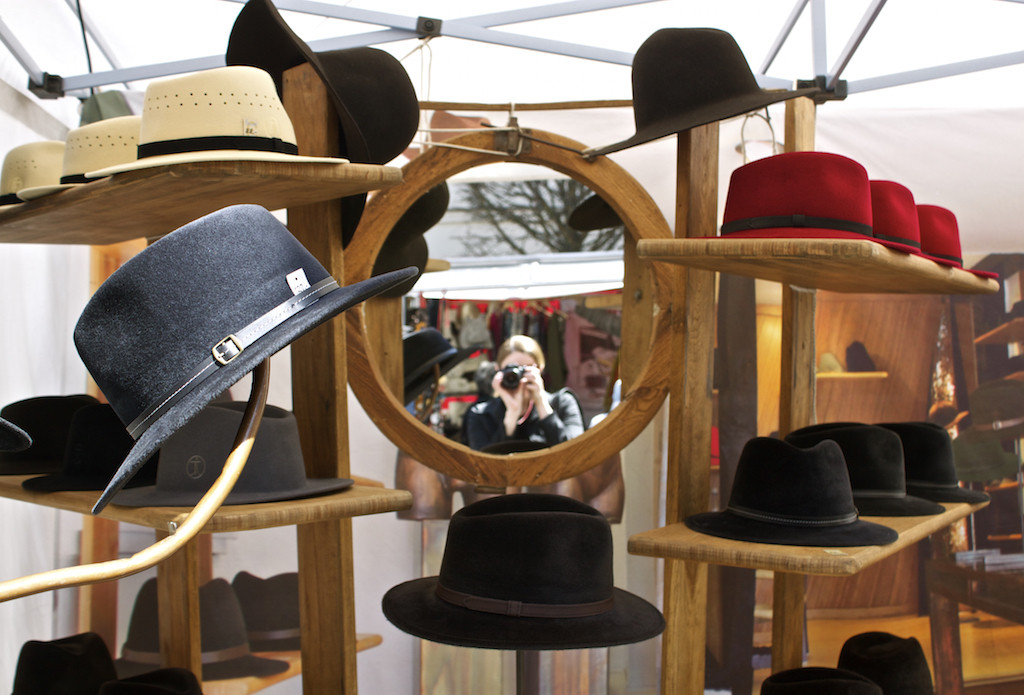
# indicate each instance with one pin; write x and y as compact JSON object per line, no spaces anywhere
{"x":832,"y":79}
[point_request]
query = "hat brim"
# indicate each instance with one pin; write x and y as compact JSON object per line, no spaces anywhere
{"x":12,"y":437}
{"x":814,"y":233}
{"x":950,"y":493}
{"x":727,"y":525}
{"x":414,"y":607}
{"x":154,"y":496}
{"x":421,"y":380}
{"x":211,"y":156}
{"x":239,"y":667}
{"x":953,"y":264}
{"x":30,"y":467}
{"x":43,"y":191}
{"x":726,"y":108}
{"x":907,"y":505}
{"x":185,"y":409}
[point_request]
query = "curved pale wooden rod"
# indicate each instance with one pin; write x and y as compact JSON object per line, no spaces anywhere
{"x":192,"y":524}
{"x":642,"y":397}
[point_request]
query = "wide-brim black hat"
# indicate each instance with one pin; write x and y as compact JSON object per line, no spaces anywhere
{"x":196,"y":311}
{"x":223,"y":641}
{"x":931,"y":470}
{"x":162,"y":681}
{"x":271,"y":610}
{"x":12,"y":437}
{"x":192,"y":459}
{"x":524,"y":571}
{"x":874,"y":460}
{"x":818,"y":680}
{"x":46,"y":421}
{"x":789,"y":495}
{"x":422,"y":350}
{"x":76,"y":665}
{"x":97,"y":444}
{"x":897,"y":664}
{"x":592,"y":214}
{"x":378,"y":111}
{"x":684,"y":78}
{"x":405,"y":244}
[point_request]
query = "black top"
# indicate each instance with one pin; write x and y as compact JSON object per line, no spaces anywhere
{"x":484,"y":425}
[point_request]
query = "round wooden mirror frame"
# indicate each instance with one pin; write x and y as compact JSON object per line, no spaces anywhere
{"x":374,"y":330}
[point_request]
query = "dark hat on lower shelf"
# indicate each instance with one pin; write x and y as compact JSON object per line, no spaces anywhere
{"x":271,"y":610}
{"x":874,"y":460}
{"x":224,"y":643}
{"x":818,"y":680}
{"x":897,"y":664}
{"x":422,"y":350}
{"x":46,"y":421}
{"x":524,"y":571}
{"x":162,"y":681}
{"x":76,"y":665}
{"x":193,"y":457}
{"x":997,"y":408}
{"x":790,"y":495}
{"x":12,"y":437}
{"x":928,"y":457}
{"x":980,"y":458}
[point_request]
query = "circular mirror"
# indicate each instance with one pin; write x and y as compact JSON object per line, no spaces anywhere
{"x":374,"y":327}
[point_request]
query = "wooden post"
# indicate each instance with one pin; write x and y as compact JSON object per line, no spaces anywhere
{"x":178,"y":601}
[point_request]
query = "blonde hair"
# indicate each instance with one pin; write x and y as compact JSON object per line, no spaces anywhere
{"x":521,"y":343}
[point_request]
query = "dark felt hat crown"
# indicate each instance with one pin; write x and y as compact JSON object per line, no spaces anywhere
{"x":928,"y":458}
{"x":196,"y":311}
{"x":818,"y":680}
{"x":271,"y":610}
{"x":422,"y":350}
{"x":378,"y":111}
{"x":46,"y":422}
{"x":162,"y":681}
{"x":12,"y":437}
{"x":592,"y":214}
{"x":223,"y":640}
{"x":790,"y":495}
{"x":193,"y":457}
{"x":524,"y":571}
{"x":683,"y":78}
{"x":874,"y":460}
{"x":97,"y":444}
{"x":997,"y":407}
{"x":980,"y":457}
{"x":897,"y":664}
{"x":405,"y":245}
{"x":75,"y":665}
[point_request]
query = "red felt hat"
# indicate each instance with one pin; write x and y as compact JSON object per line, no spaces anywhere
{"x":803,"y":195}
{"x":940,"y":238}
{"x":894,"y":216}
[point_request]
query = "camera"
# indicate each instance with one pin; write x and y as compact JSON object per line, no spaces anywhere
{"x":511,"y":375}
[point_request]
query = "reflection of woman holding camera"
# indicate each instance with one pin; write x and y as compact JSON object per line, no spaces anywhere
{"x":521,"y":408}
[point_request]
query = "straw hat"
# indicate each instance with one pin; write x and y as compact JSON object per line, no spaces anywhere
{"x":28,"y":165}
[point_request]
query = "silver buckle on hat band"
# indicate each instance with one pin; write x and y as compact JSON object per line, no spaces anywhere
{"x":227,"y":349}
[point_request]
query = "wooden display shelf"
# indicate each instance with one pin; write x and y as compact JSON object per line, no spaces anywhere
{"x":153,"y":202}
{"x":838,"y":265}
{"x":677,"y":541}
{"x":358,"y":500}
{"x":1010,"y":332}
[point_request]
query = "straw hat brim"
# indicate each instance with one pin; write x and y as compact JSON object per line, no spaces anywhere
{"x":212,"y":156}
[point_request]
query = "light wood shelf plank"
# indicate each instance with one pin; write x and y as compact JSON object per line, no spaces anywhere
{"x":1010,"y":332}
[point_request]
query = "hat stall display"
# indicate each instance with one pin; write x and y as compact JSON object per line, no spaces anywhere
{"x":422,"y":350}
{"x":97,"y":444}
{"x":223,"y":640}
{"x":940,"y":238}
{"x":980,"y":457}
{"x":874,"y":460}
{"x":928,"y":457}
{"x":897,"y":664}
{"x":524,"y":571}
{"x":271,"y":610}
{"x":193,"y":457}
{"x":12,"y":437}
{"x":196,"y":311}
{"x":29,"y":165}
{"x":997,"y":408}
{"x":76,"y":665}
{"x":791,"y":495}
{"x":46,"y":421}
{"x":818,"y":680}
{"x":405,"y":245}
{"x":221,"y":114}
{"x":89,"y":147}
{"x":894,"y":216}
{"x":162,"y":681}
{"x":683,"y":78}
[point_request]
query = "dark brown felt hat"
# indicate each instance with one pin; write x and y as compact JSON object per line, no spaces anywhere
{"x":46,"y":422}
{"x":928,"y":457}
{"x":405,"y":245}
{"x":271,"y":610}
{"x":524,"y":571}
{"x":76,"y":665}
{"x":422,"y":350}
{"x":819,"y":680}
{"x":592,"y":214}
{"x":897,"y":664}
{"x":683,"y":78}
{"x":790,"y":495}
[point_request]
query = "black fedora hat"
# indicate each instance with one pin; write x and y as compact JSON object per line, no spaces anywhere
{"x":928,"y":457}
{"x":818,"y":680}
{"x":405,"y":245}
{"x":46,"y":421}
{"x":790,"y":495}
{"x":97,"y":444}
{"x":193,"y":457}
{"x":422,"y":350}
{"x":197,"y":310}
{"x":12,"y":437}
{"x":76,"y":665}
{"x":162,"y":681}
{"x":897,"y":664}
{"x":592,"y":214}
{"x":874,"y":460}
{"x":271,"y":610}
{"x":683,"y":78}
{"x":524,"y":571}
{"x":376,"y":102}
{"x":223,"y":640}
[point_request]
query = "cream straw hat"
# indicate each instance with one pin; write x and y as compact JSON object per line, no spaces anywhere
{"x":224,"y":114}
{"x":32,"y":164}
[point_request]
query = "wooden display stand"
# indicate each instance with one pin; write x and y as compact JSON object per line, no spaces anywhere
{"x":802,"y":266}
{"x":164,"y":198}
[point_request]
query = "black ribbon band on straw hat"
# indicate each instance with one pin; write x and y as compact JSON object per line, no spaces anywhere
{"x":521,"y":609}
{"x":216,"y":142}
{"x":229,"y":347}
{"x":75,"y":178}
{"x":790,"y":520}
{"x":772,"y":221}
